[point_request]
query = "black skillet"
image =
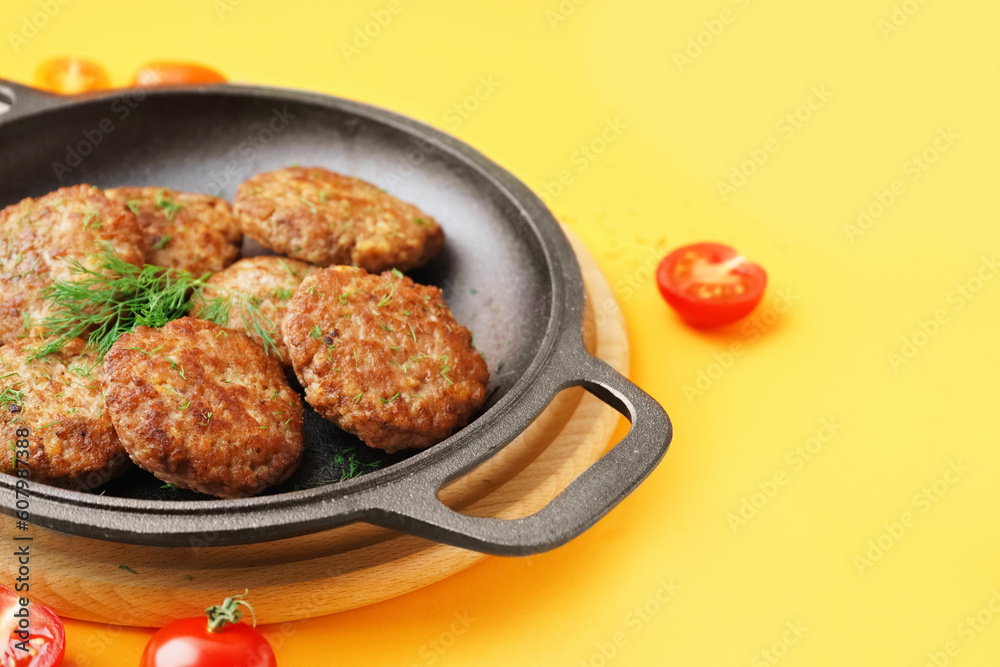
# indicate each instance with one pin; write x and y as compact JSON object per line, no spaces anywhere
{"x":507,"y":270}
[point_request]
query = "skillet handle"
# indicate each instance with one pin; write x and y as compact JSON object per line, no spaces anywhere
{"x":579,"y":506}
{"x":17,"y":99}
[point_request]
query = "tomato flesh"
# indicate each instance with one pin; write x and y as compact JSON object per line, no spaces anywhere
{"x":710,"y":284}
{"x":188,"y":643}
{"x":46,"y":644}
{"x":70,"y":76}
{"x":175,"y":74}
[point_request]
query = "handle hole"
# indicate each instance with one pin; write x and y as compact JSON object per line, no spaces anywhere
{"x":567,"y":438}
{"x":6,"y":99}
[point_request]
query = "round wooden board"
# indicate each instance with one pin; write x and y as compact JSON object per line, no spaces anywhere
{"x":347,"y":567}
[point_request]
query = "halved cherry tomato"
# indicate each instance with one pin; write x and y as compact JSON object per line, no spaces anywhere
{"x":710,"y":284}
{"x":70,"y":76}
{"x":219,"y":640}
{"x":44,"y":643}
{"x":175,"y":74}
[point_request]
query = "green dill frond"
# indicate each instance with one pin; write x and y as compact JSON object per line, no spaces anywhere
{"x":387,"y":297}
{"x":444,"y":369}
{"x":10,"y":395}
{"x":169,"y":206}
{"x":117,"y":297}
{"x":216,"y":309}
{"x":312,"y":206}
{"x":93,"y":219}
{"x":255,"y":322}
{"x":113,"y":300}
{"x":259,"y":325}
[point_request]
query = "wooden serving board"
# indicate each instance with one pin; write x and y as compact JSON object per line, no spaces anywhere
{"x":350,"y":566}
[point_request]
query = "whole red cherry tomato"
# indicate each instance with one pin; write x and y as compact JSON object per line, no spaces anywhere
{"x":217,"y":639}
{"x":41,"y":644}
{"x":710,"y":284}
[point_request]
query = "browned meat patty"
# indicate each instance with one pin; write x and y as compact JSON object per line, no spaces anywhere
{"x":269,"y":282}
{"x":195,"y":232}
{"x":383,"y":358}
{"x":325,"y":218}
{"x":58,"y":399}
{"x":203,"y":407}
{"x":37,"y":235}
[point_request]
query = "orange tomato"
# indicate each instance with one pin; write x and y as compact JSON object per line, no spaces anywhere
{"x":70,"y":76}
{"x":175,"y":74}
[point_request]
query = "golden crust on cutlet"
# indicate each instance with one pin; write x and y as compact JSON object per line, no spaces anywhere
{"x":58,"y":399}
{"x":325,"y":218}
{"x":182,"y":230}
{"x":383,"y":357}
{"x":204,"y":408}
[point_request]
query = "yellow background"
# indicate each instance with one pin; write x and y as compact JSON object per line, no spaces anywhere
{"x":562,"y":75}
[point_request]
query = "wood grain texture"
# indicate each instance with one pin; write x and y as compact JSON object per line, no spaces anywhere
{"x":351,"y":566}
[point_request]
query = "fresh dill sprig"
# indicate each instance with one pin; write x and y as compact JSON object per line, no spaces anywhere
{"x":386,"y":298}
{"x":169,"y":206}
{"x":113,"y":300}
{"x":347,"y":463}
{"x":93,"y":219}
{"x":257,"y":323}
{"x":444,"y":369}
{"x":117,"y":297}
{"x":216,"y":310}
{"x":10,"y":395}
{"x":312,"y":206}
